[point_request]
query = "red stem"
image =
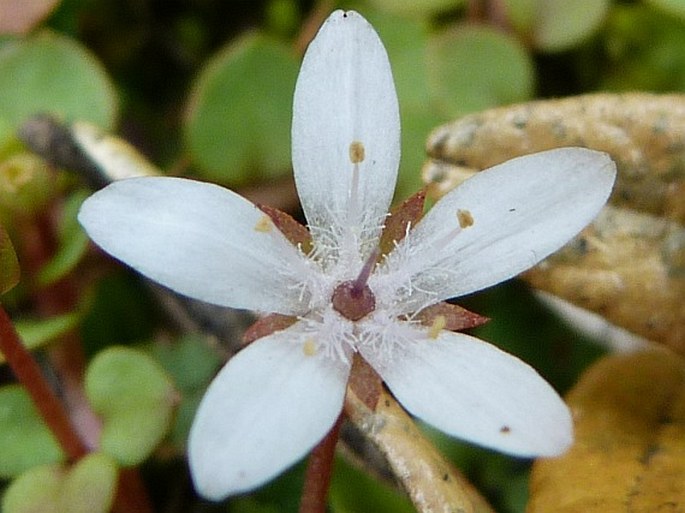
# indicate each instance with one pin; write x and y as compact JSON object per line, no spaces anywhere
{"x":317,"y":477}
{"x":30,"y":376}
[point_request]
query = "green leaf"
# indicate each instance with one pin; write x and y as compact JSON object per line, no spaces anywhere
{"x":9,"y":265}
{"x":644,"y":50}
{"x":51,"y":73}
{"x":416,"y":8}
{"x":135,"y":399}
{"x":190,"y":361}
{"x":35,"y":333}
{"x":87,"y":487}
{"x":556,"y":25}
{"x":34,"y":491}
{"x":90,"y":485}
{"x":239,"y":115}
{"x":25,"y":441}
{"x":674,"y":7}
{"x":473,"y":67}
{"x":353,"y":491}
{"x":192,"y":364}
{"x":73,"y":243}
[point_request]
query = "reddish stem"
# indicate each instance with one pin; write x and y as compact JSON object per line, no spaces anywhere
{"x":29,"y":375}
{"x":317,"y":477}
{"x":131,"y":495}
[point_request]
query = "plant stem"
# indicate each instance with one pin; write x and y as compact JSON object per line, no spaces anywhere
{"x":30,"y":376}
{"x":318,"y":474}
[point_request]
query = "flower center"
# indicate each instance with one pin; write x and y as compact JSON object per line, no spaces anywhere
{"x":354,"y":299}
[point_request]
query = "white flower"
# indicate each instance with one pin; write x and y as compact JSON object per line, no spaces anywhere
{"x":278,"y":397}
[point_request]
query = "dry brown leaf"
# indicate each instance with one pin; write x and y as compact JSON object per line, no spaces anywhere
{"x":433,"y":484}
{"x":629,"y":453}
{"x":629,"y":265}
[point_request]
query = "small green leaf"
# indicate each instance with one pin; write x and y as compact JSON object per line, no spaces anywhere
{"x":416,"y":8}
{"x":51,"y":73}
{"x":34,"y":491}
{"x":35,"y":333}
{"x":192,"y":364}
{"x":90,"y":485}
{"x":190,"y":361}
{"x":73,"y":243}
{"x":9,"y":266}
{"x":87,"y":487}
{"x":556,"y":25}
{"x":25,"y":441}
{"x":134,"y":397}
{"x":239,"y":115}
{"x":473,"y":67}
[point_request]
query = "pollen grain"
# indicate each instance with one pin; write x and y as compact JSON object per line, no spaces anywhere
{"x":263,"y":225}
{"x":309,"y":347}
{"x":465,"y":218}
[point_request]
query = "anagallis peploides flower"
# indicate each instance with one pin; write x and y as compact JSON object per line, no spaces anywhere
{"x":280,"y":395}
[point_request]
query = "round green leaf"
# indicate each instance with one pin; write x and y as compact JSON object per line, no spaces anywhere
{"x":9,"y":265}
{"x":416,"y":8}
{"x":88,"y":487}
{"x":238,"y":118}
{"x":473,"y":67}
{"x":51,"y":73}
{"x":135,"y":399}
{"x":34,"y":491}
{"x":555,"y":25}
{"x":25,"y":441}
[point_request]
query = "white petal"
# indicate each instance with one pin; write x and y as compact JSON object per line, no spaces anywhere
{"x":522,"y":211}
{"x":472,"y":390}
{"x":268,"y":407}
{"x":198,"y":239}
{"x":344,"y":94}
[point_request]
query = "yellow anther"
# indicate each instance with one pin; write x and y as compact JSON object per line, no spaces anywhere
{"x":357,"y":152}
{"x":264,"y":224}
{"x":465,"y":218}
{"x":438,"y":325}
{"x":309,"y":347}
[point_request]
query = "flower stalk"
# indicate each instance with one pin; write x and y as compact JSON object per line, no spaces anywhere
{"x":28,"y":373}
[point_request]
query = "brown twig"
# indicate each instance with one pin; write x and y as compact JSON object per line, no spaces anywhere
{"x":30,"y":376}
{"x":318,"y":474}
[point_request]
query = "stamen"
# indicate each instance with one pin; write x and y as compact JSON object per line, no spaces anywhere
{"x":263,"y":225}
{"x":309,"y":347}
